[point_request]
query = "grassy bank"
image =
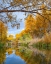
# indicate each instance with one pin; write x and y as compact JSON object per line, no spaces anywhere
{"x":42,"y":45}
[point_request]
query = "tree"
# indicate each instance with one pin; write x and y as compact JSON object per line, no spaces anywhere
{"x":10,"y":37}
{"x":3,"y":39}
{"x":27,"y":6}
{"x":30,"y":24}
{"x":3,"y":32}
{"x":18,"y":36}
{"x":38,"y":25}
{"x":43,"y":25}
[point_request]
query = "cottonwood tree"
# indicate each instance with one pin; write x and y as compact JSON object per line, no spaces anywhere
{"x":30,"y":23}
{"x":3,"y":32}
{"x":3,"y":39}
{"x":38,"y":25}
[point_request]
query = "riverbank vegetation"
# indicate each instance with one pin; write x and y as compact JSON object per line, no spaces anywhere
{"x":44,"y":43}
{"x":3,"y":39}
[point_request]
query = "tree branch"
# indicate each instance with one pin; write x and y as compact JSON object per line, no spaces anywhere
{"x":1,"y":11}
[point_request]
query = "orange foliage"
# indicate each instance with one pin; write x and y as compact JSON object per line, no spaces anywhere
{"x":30,"y":24}
{"x":10,"y":37}
{"x":3,"y":31}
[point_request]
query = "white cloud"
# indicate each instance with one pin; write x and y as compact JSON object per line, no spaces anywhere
{"x":14,"y":32}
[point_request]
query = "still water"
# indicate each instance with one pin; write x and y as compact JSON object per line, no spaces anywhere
{"x":13,"y":59}
{"x":35,"y":56}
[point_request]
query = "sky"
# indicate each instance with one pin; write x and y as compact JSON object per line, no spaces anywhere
{"x":14,"y":31}
{"x":20,"y":15}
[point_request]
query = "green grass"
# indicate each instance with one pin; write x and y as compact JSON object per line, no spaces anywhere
{"x":41,"y":45}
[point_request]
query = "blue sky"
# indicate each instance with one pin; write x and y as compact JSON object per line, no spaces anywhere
{"x":20,"y":15}
{"x":14,"y":31}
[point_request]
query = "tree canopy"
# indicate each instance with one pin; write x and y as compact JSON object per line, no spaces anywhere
{"x":7,"y":7}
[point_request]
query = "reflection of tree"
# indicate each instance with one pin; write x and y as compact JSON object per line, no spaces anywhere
{"x":2,"y":53}
{"x":48,"y":56}
{"x":2,"y":57}
{"x":35,"y":58}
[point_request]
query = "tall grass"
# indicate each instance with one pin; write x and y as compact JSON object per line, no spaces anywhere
{"x":47,"y":38}
{"x":44,"y":42}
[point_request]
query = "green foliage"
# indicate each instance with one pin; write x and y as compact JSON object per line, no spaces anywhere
{"x":2,"y":47}
{"x":24,"y":44}
{"x":26,"y":37}
{"x":33,"y":58}
{"x":22,"y":50}
{"x":42,"y":45}
{"x":2,"y":52}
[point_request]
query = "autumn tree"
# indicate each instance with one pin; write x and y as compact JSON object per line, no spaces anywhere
{"x":30,"y":24}
{"x":3,"y":39}
{"x":18,"y":36}
{"x":3,"y":32}
{"x":43,"y":25}
{"x":7,"y":7}
{"x":47,"y":21}
{"x":38,"y":25}
{"x":10,"y":37}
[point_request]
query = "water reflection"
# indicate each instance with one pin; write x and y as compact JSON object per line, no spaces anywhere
{"x":2,"y":56}
{"x":31,"y":56}
{"x":36,"y":56}
{"x":13,"y":59}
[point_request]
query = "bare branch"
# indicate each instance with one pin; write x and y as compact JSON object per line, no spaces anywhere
{"x":1,"y":11}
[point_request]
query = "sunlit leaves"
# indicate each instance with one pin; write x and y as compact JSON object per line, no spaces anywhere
{"x":3,"y":31}
{"x":42,"y":6}
{"x":18,"y":36}
{"x":10,"y":37}
{"x":30,"y":24}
